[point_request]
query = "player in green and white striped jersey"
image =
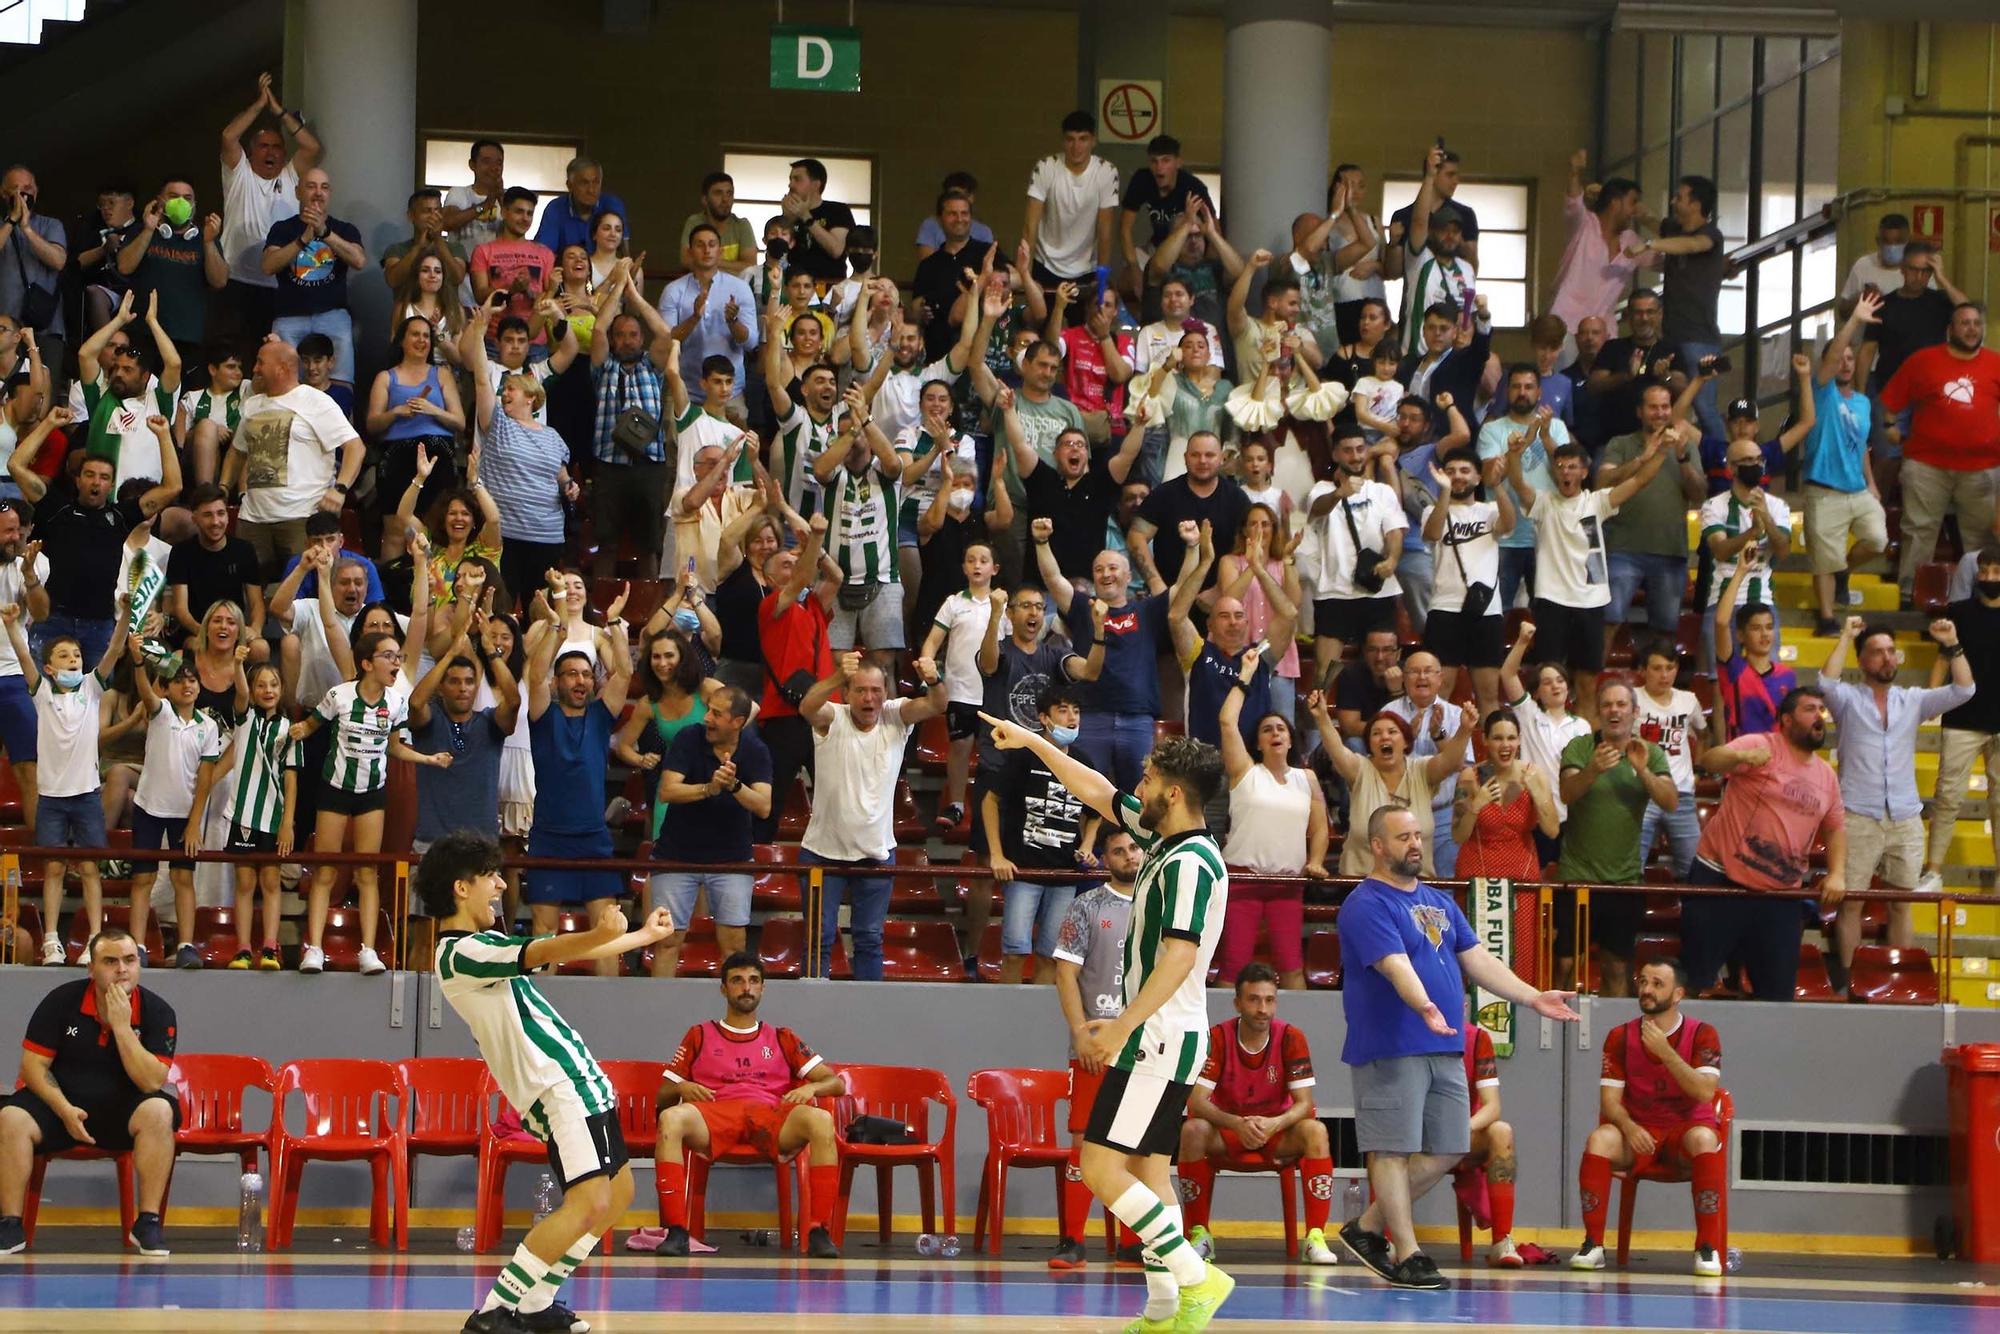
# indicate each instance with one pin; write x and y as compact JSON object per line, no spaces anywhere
{"x":1746,"y":522}
{"x":1154,"y":1049}
{"x":258,"y":800}
{"x":541,"y":1065}
{"x":862,"y":475}
{"x":806,"y":428}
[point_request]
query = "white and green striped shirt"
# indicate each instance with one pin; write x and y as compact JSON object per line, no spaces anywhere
{"x":359,"y":758}
{"x":1729,"y":516}
{"x":1434,"y":280}
{"x":801,"y":439}
{"x":1182,"y":891}
{"x":536,"y":1058}
{"x":264,"y":750}
{"x":862,"y":527}
{"x":203,"y":404}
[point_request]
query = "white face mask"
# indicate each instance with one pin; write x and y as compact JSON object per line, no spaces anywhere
{"x":959,"y":501}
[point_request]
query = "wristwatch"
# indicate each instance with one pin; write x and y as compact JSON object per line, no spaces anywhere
{"x":340,"y":486}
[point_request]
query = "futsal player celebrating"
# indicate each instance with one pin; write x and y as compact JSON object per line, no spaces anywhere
{"x":1159,"y":1041}
{"x":540,"y":1063}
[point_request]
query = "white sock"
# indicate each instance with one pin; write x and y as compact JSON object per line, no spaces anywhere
{"x":1157,"y":1224}
{"x":1163,"y":1295}
{"x":559,"y":1272}
{"x":517,"y":1280}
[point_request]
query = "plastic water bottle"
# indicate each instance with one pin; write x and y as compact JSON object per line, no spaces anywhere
{"x":1732,"y":1260}
{"x":547,"y":1197}
{"x":948,"y":1246}
{"x":250,"y":1216}
{"x":1354,"y":1202}
{"x":759,"y":1237}
{"x":926,"y":1244}
{"x":468,"y":1237}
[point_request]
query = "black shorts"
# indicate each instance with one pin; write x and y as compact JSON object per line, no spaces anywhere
{"x":1350,"y":619}
{"x":1459,"y":640}
{"x":108,"y":1123}
{"x":1138,"y":1113}
{"x":961,"y":720}
{"x":251,"y":840}
{"x":591,"y":1147}
{"x":334,"y":801}
{"x":1572,"y":636}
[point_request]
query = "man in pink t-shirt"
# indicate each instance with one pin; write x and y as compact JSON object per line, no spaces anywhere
{"x":514,"y":265}
{"x":1595,"y":269}
{"x":1779,"y":796}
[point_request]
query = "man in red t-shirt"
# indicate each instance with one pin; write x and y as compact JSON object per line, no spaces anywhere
{"x":1484,"y":1178}
{"x":1657,"y":1100}
{"x":512,"y":264}
{"x":1952,"y":392}
{"x":1253,"y":1100}
{"x":740,"y":1083}
{"x":792,"y":634}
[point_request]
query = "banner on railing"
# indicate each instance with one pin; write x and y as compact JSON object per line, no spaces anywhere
{"x":1492,"y":904}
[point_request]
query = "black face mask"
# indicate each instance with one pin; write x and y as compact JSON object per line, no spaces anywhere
{"x":1988,"y":588}
{"x":1750,"y":474}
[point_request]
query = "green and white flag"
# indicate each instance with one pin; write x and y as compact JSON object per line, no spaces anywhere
{"x":149,"y":580}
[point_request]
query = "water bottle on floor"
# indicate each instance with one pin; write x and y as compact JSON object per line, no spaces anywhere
{"x":1354,"y":1202}
{"x":945,"y":1246}
{"x":250,"y":1215}
{"x":467,"y":1239}
{"x":926,"y":1244}
{"x":547,"y":1196}
{"x":1732,"y":1260}
{"x":760,"y":1237}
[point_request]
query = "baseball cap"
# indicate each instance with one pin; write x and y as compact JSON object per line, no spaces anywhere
{"x":1740,"y":408}
{"x":1447,"y":213}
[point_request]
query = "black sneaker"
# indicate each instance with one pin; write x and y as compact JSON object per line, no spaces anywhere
{"x":1069,"y":1255}
{"x":499,"y":1320}
{"x":674,"y":1243}
{"x":555,"y":1318}
{"x":819,"y":1245}
{"x":1417,"y":1271}
{"x":147,"y":1236}
{"x":13,"y":1237}
{"x":1826,"y":627}
{"x":1133,"y":1255}
{"x":1905,"y":601}
{"x":1370,"y":1248}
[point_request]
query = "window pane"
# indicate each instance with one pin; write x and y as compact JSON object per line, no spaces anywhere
{"x":767,"y":176}
{"x":1781,"y":58}
{"x":1506,"y":302}
{"x":1621,"y":98}
{"x":1816,"y":47}
{"x":1213,"y":180}
{"x":1774,"y":363}
{"x":1502,"y":208}
{"x":1732,"y":174}
{"x":537,"y":167}
{"x":1729,"y":308}
{"x":1822,"y":163}
{"x":1774,"y":289}
{"x":1697,"y":77}
{"x":1501,"y":254}
{"x":1698,"y":151}
{"x":1397,"y":192}
{"x":1738,"y":53}
{"x":1656,"y":88}
{"x":1819,"y":274}
{"x":1781,"y":158}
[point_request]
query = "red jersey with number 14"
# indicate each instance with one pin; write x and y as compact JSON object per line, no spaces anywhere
{"x":1652,"y":1098}
{"x":1247,"y":1084}
{"x":743,"y":1065}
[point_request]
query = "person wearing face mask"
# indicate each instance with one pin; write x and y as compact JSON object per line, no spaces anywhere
{"x":1746,"y":523}
{"x":179,"y":260}
{"x":1878,"y":722}
{"x":1033,"y":822}
{"x":1880,"y":268}
{"x":1971,"y":730}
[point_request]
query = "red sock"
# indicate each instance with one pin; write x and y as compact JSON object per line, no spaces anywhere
{"x":1593,"y":1181}
{"x":671,"y":1178}
{"x":1710,"y":1181}
{"x":1197,"y":1186}
{"x":825,"y":1190}
{"x":1500,"y":1197}
{"x":1077,"y":1198}
{"x":1318,"y":1173}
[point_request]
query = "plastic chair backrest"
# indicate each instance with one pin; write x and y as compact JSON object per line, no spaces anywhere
{"x":1021,"y":1106}
{"x":899,"y":1092}
{"x":636,"y":1084}
{"x":211,"y":1086}
{"x":343,"y":1097}
{"x":446,"y":1096}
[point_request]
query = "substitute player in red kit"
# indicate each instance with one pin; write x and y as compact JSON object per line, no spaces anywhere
{"x":1657,"y":1098}
{"x":740,"y":1082}
{"x":1255,"y":1097}
{"x":1484,"y":1178}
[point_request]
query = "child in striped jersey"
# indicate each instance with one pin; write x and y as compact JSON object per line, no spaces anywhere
{"x":180,"y":739}
{"x":265,"y":761}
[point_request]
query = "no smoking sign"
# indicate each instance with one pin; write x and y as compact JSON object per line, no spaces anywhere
{"x":1128,"y":110}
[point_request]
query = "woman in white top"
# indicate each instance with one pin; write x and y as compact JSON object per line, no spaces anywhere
{"x":607,"y":246}
{"x":423,"y":293}
{"x":1547,"y":725}
{"x":1277,"y":826}
{"x":1388,"y":775}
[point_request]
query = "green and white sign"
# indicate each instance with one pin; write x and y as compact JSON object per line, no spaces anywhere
{"x":823,"y":60}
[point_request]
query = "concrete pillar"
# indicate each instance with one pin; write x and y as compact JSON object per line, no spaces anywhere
{"x":357,"y":69}
{"x":1276,"y":103}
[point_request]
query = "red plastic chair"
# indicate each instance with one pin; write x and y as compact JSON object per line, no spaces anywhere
{"x":990,"y":957}
{"x":118,"y":915}
{"x":902,"y":1094}
{"x":10,"y":794}
{"x":1886,"y":975}
{"x":1813,"y":985}
{"x":906,"y":821}
{"x":933,"y":745}
{"x":793,"y":814}
{"x":342,"y":939}
{"x":1628,"y":1181}
{"x":1287,"y":1171}
{"x":1653,"y":946}
{"x":1323,"y":960}
{"x":568,"y":921}
{"x":775,"y":890}
{"x":701,"y":952}
{"x":128,"y":1211}
{"x":781,"y":948}
{"x":914,"y":894}
{"x":354,"y":1110}
{"x":634,"y":1085}
{"x":791,"y":1173}
{"x":217,"y":935}
{"x":1024,"y":1128}
{"x":920,"y":951}
{"x":28,"y":935}
{"x":445,"y":1093}
{"x":1930,"y":590}
{"x":211,"y":1086}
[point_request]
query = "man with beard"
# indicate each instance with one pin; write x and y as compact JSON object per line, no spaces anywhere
{"x":1626,"y":366}
{"x":806,"y":427}
{"x":737,"y":238}
{"x":860,"y":473}
{"x":1952,"y":449}
{"x":941,"y":276}
{"x":1076,"y":495}
{"x":895,"y":384}
{"x":1543,"y":433}
{"x":738,"y":1083}
{"x":1158,"y":1043}
{"x":1408,"y":951}
{"x":1466,"y":625}
{"x":1437,"y":270}
{"x":1780,"y":796}
{"x":1657,"y":1100}
{"x":1445,"y":367}
{"x":712,"y":314}
{"x":1201,"y":495}
{"x":1647,"y":541}
{"x":628,"y":490}
{"x":1878,"y":723}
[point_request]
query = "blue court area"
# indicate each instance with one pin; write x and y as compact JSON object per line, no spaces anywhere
{"x":630,"y":1294}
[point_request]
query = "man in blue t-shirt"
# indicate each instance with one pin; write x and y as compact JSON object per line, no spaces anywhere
{"x":1405,"y":944}
{"x":310,"y":254}
{"x":713,"y":780}
{"x":1841,"y":499}
{"x":465,"y":795}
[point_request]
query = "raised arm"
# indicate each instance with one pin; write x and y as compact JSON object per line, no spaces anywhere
{"x":1867,"y":310}
{"x":1808,"y":413}
{"x":1236,"y":761}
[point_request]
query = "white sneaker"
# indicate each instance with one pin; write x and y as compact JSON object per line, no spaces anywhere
{"x":312,"y":959}
{"x":1707,"y":1264}
{"x":1314,"y":1250}
{"x":371,"y":962}
{"x":52,"y":950}
{"x":1590,"y":1257}
{"x":1504,"y":1255}
{"x":1930,"y":882}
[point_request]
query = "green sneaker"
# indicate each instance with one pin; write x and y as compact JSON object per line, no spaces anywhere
{"x":1200,"y":1302}
{"x":1203,"y":1242}
{"x":1144,"y":1325}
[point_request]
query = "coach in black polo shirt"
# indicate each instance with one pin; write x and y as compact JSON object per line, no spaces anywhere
{"x":1077,"y":494}
{"x":94,"y":1063}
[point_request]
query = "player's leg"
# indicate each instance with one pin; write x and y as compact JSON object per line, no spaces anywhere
{"x":588,"y":1155}
{"x":1709,"y":1184}
{"x":151,"y":1127}
{"x":1501,"y":1169}
{"x":812,"y":1127}
{"x":682,"y":1130}
{"x":540,"y":1310}
{"x":329,"y":832}
{"x":368,"y":884}
{"x":1307,"y":1141}
{"x":1200,"y":1141}
{"x":1604,"y":1152}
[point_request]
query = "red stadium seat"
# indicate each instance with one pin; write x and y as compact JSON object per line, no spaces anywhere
{"x":1628,"y":1181}
{"x":701,"y":953}
{"x":796,"y":811}
{"x":933,"y":745}
{"x":354,"y":1110}
{"x":1323,"y":960}
{"x":923,"y":950}
{"x":1165,"y":728}
{"x":1651,"y":946}
{"x":31,"y":1204}
{"x":776,"y":891}
{"x":1813,"y":983}
{"x":781,"y":948}
{"x":1619,"y":653}
{"x":1287,"y":1170}
{"x":990,"y":957}
{"x":633,"y":1083}
{"x":908,"y":824}
{"x":791,"y":1176}
{"x":217,"y":935}
{"x":27,"y":943}
{"x":445,"y":1093}
{"x":211,"y":1086}
{"x":902,"y":1094}
{"x":10,"y":795}
{"x":1885,"y":975}
{"x":1931,"y":592}
{"x":567,"y":921}
{"x":1024,"y":1128}
{"x":913,"y":894}
{"x":1703,"y":686}
{"x":1687,"y":636}
{"x":342,"y":940}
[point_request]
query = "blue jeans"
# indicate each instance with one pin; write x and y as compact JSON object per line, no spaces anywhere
{"x":1517,"y":567}
{"x":1116,"y":745}
{"x":1665,"y":578}
{"x":870,"y":908}
{"x":1444,"y":849}
{"x":95,"y":636}
{"x":1152,"y":461}
{"x":1031,"y":916}
{"x":1705,"y":412}
{"x":728,"y":896}
{"x":337,"y":325}
{"x":1683,"y":833}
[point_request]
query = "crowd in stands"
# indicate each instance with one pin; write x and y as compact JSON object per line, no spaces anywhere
{"x":773,"y":533}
